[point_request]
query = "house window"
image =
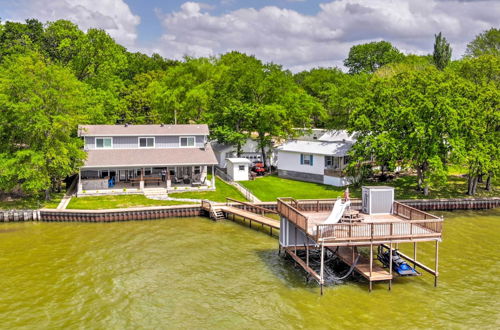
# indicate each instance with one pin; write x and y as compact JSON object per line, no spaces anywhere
{"x":306,"y":159}
{"x":104,"y":143}
{"x":328,"y":161}
{"x":146,"y":142}
{"x":197,"y":170}
{"x":346,"y":160}
{"x":187,"y":141}
{"x":241,"y":167}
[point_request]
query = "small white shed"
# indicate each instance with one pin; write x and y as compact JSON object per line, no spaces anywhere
{"x":238,"y":168}
{"x":377,"y":199}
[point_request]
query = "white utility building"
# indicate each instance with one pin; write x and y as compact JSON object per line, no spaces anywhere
{"x":238,"y":168}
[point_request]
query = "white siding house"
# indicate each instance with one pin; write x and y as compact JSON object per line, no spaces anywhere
{"x":321,"y":161}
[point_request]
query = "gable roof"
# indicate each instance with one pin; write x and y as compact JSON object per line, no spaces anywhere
{"x":142,"y":130}
{"x":338,"y":149}
{"x":149,"y":157}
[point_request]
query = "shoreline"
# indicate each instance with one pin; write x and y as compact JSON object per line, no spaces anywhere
{"x":189,"y":210}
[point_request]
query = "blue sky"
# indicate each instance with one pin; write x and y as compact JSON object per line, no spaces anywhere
{"x":150,"y":26}
{"x":299,"y":34}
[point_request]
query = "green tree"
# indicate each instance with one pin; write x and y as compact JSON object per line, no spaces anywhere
{"x":486,"y":43}
{"x":411,"y":118}
{"x":442,"y":52}
{"x":479,"y":149}
{"x":62,"y":41}
{"x":41,"y":106}
{"x":371,"y":56}
{"x":18,"y":38}
{"x":338,"y":93}
{"x":274,"y":104}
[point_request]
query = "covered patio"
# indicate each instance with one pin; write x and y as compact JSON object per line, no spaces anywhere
{"x":161,"y":171}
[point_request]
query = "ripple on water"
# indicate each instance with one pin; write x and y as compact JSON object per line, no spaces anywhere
{"x":195,"y":273}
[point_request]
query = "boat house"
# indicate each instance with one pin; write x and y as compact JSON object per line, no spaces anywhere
{"x":141,"y":158}
{"x":344,"y":227}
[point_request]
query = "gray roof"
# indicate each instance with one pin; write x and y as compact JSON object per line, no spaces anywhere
{"x":154,"y":157}
{"x":338,"y":149}
{"x":142,"y":130}
{"x":337,"y":136}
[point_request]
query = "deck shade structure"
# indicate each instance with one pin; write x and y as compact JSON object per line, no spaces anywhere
{"x":377,"y":199}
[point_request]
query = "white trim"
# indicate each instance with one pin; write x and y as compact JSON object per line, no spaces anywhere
{"x":187,"y":137}
{"x":103,"y":137}
{"x":144,"y":165}
{"x":146,"y":137}
{"x":146,"y":134}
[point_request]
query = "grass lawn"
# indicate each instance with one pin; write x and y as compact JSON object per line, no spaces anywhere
{"x":31,"y":203}
{"x":222,"y":191}
{"x":118,"y":201}
{"x":271,"y":187}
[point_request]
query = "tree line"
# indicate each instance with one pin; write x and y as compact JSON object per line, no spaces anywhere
{"x":416,"y":111}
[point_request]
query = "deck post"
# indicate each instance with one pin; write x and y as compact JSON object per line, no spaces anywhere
{"x":390,"y":265}
{"x":213,"y":176}
{"x":295,"y":242}
{"x":371,"y":266}
{"x":307,"y":252}
{"x":436,"y":268}
{"x":371,"y":260}
{"x":322,"y":270}
{"x":414,"y":254}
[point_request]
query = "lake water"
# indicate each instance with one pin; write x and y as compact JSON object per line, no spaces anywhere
{"x":194,"y":273}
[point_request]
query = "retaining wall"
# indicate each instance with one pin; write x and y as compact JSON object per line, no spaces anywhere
{"x":149,"y":213}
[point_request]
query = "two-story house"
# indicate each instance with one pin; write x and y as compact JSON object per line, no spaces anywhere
{"x":322,"y":159}
{"x":135,"y":158}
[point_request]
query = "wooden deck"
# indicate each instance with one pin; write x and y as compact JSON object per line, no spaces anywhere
{"x":258,"y":218}
{"x":378,"y":273}
{"x":405,"y":224}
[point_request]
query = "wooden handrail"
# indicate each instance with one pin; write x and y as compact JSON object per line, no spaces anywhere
{"x":368,"y":230}
{"x":292,"y":214}
{"x":263,"y":209}
{"x":400,"y":206}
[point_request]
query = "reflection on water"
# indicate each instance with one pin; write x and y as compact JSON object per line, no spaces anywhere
{"x":195,"y":273}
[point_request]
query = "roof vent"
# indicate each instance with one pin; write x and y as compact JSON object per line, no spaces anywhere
{"x":126,"y":124}
{"x":162,"y":124}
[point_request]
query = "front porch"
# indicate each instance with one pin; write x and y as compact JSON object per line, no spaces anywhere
{"x":145,"y":180}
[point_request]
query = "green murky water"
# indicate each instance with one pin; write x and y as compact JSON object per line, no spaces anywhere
{"x":194,"y":273}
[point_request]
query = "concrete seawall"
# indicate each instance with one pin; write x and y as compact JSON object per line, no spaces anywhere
{"x":160,"y":212}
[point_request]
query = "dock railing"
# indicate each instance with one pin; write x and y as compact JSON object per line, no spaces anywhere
{"x":373,"y":231}
{"x":414,"y":224}
{"x":288,"y":207}
{"x":249,"y":206}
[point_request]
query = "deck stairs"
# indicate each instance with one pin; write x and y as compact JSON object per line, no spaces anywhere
{"x":217,"y":214}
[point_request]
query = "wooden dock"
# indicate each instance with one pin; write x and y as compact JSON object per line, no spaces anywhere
{"x":246,"y":211}
{"x":260,"y":219}
{"x":348,"y":256}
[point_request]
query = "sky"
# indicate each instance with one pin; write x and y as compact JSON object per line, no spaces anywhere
{"x":298,"y":34}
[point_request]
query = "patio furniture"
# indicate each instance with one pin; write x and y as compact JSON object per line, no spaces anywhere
{"x":351,"y":216}
{"x":156,"y":180}
{"x":176,"y":180}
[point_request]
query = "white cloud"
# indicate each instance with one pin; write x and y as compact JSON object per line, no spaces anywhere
{"x":114,"y":16}
{"x":301,"y":41}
